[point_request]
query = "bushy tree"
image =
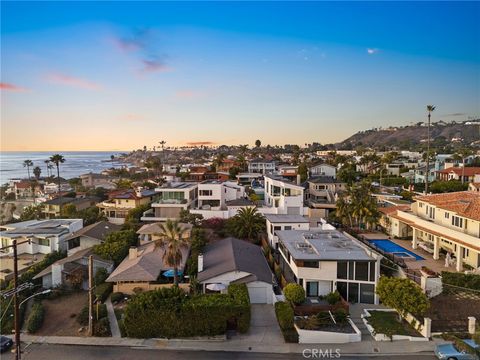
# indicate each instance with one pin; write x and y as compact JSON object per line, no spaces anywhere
{"x":402,"y":295}
{"x":187,"y":217}
{"x":116,"y":245}
{"x":294,"y":293}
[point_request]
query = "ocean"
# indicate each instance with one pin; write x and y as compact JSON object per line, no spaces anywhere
{"x":76,"y":163}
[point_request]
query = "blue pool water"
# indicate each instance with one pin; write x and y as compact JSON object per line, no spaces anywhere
{"x":392,"y":248}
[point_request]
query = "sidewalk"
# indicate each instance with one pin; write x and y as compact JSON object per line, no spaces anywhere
{"x":365,"y":348}
{"x":112,"y":319}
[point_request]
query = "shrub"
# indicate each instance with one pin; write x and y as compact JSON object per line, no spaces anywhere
{"x":333,"y":297}
{"x":294,"y":293}
{"x":35,"y":319}
{"x":284,"y":313}
{"x":82,"y":318}
{"x":470,"y":281}
{"x":340,"y":316}
{"x":100,"y":276}
{"x":102,"y":327}
{"x":117,"y":297}
{"x":102,"y":291}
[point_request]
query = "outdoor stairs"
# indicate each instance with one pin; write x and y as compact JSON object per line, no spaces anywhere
{"x":363,"y":329}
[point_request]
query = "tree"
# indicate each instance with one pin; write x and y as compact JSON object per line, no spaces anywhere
{"x":358,"y":206}
{"x":303,"y":172}
{"x":32,"y":212}
{"x":27,"y":164}
{"x":258,"y":143}
{"x":132,"y":220}
{"x":464,"y":153}
{"x":403,"y":295}
{"x":247,"y":224}
{"x":116,"y":245}
{"x":294,"y":293}
{"x":57,"y":159}
{"x":430,"y":109}
{"x":187,"y":217}
{"x":36,"y":172}
{"x":123,"y":184}
{"x":172,"y":237}
{"x":47,"y":164}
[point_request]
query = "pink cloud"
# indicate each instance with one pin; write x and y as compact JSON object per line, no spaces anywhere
{"x":152,"y":66}
{"x":63,"y":79}
{"x":188,"y":94}
{"x":12,"y":87}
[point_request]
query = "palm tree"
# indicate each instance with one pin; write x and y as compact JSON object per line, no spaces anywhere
{"x":430,"y":109}
{"x":47,"y":163}
{"x":57,"y":159}
{"x":258,"y":143}
{"x":172,"y":238}
{"x":37,"y":171}
{"x":33,"y":187}
{"x":248,"y":224}
{"x":218,"y":161}
{"x":27,"y":164}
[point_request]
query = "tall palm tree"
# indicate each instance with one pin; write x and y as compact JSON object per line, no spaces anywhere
{"x":37,"y":172}
{"x":172,"y":238}
{"x":430,"y":109}
{"x":57,"y":159}
{"x":47,"y":164}
{"x":258,"y":143}
{"x":248,"y":224}
{"x":27,"y":164}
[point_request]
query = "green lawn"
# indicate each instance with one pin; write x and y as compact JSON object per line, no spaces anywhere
{"x":387,"y":323}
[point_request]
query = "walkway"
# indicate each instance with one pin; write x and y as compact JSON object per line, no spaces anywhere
{"x":112,"y":319}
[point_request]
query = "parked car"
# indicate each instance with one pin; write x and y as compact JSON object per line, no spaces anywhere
{"x":5,"y":343}
{"x":450,"y":352}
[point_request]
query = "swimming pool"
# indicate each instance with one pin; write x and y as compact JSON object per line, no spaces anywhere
{"x":394,"y":249}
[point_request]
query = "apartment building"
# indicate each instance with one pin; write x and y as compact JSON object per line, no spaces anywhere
{"x":448,"y":223}
{"x":282,"y":196}
{"x":323,"y":261}
{"x":261,"y":166}
{"x":171,"y":199}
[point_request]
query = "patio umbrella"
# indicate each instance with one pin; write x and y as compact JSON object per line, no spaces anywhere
{"x":216,"y":287}
{"x":171,"y":273}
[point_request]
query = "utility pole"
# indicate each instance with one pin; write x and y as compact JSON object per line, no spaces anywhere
{"x":90,"y":295}
{"x":18,"y":349}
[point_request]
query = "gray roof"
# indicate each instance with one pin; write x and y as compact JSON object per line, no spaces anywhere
{"x":323,"y":245}
{"x":46,"y":227}
{"x":324,"y":180}
{"x":274,"y":218}
{"x":232,"y":254}
{"x":96,"y":231}
{"x":240,"y":202}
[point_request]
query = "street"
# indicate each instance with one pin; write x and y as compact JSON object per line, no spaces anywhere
{"x":72,"y":352}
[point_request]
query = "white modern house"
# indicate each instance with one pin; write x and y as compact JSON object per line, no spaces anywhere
{"x":323,"y":261}
{"x":44,"y":236}
{"x":234,"y":261}
{"x":261,"y":166}
{"x":214,"y":195}
{"x":284,"y":222}
{"x":323,"y":170}
{"x":282,"y":197}
{"x":171,"y":199}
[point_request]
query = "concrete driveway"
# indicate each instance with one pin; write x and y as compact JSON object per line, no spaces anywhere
{"x":264,"y":329}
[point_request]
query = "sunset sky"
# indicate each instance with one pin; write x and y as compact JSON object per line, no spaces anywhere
{"x":121,"y":75}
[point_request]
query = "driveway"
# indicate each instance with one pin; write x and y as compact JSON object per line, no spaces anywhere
{"x":264,"y":329}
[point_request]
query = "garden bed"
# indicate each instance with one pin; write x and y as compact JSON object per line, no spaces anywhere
{"x":383,"y":325}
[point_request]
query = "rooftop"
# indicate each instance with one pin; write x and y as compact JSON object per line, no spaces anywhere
{"x":274,"y":218}
{"x":323,"y":180}
{"x":96,"y":231}
{"x":38,"y":227}
{"x":464,"y":203}
{"x":178,"y":186}
{"x":323,"y":245}
{"x":468,"y":171}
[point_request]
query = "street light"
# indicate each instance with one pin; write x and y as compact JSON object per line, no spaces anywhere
{"x":39,"y":293}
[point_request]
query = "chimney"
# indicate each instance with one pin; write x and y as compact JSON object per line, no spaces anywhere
{"x":200,"y":262}
{"x":298,"y":179}
{"x":132,"y":253}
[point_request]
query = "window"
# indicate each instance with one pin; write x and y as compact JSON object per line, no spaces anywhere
{"x":342,"y":270}
{"x":465,"y":253}
{"x":312,"y":288}
{"x":367,"y":293}
{"x":288,"y":227}
{"x":73,"y":243}
{"x":350,"y":269}
{"x":44,"y":242}
{"x":310,"y":264}
{"x":457,"y":221}
{"x":361,"y":270}
{"x":447,"y":215}
{"x":353,"y":292}
{"x":205,"y":192}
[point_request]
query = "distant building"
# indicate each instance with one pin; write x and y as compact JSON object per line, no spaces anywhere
{"x":92,"y":180}
{"x":458,"y":173}
{"x":323,"y":170}
{"x":261,"y":166}
{"x":53,"y":208}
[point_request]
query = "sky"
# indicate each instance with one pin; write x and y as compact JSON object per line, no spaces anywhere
{"x":121,"y":75}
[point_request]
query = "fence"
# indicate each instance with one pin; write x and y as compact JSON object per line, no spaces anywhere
{"x":312,"y":309}
{"x":414,"y":275}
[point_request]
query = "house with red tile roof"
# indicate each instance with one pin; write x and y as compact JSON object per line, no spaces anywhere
{"x":458,"y":173}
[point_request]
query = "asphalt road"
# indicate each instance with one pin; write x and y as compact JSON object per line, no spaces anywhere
{"x":71,"y":352}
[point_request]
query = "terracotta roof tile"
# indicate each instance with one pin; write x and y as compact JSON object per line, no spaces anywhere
{"x":464,"y":203}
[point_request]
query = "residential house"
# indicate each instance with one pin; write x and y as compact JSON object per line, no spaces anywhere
{"x":171,"y":199}
{"x":234,"y":261}
{"x":261,"y":166}
{"x":143,"y":268}
{"x":151,"y":232}
{"x":458,"y":173}
{"x":53,"y":208}
{"x":323,"y":261}
{"x":52,"y":188}
{"x":288,"y":172}
{"x":92,"y":180}
{"x":23,"y":189}
{"x":90,"y":236}
{"x":323,"y":170}
{"x":248,"y":178}
{"x":449,"y":223}
{"x":282,"y":196}
{"x":322,"y":194}
{"x":72,"y":271}
{"x":284,"y":222}
{"x":120,"y":202}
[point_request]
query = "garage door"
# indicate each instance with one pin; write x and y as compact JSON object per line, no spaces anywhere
{"x":258,"y":295}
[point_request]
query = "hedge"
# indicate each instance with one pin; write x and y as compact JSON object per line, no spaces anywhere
{"x":470,"y":281}
{"x":285,"y":315}
{"x":117,"y":297}
{"x":82,"y":318}
{"x":102,"y":291}
{"x":35,"y":319}
{"x":171,"y":313}
{"x":102,"y":327}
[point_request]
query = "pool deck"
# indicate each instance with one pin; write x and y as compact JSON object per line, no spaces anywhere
{"x":435,"y":265}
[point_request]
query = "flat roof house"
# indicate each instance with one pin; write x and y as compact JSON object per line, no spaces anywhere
{"x":235,"y":261}
{"x":261,"y":166}
{"x":322,"y":195}
{"x":284,"y":222}
{"x":323,"y":261}
{"x":283,"y":196}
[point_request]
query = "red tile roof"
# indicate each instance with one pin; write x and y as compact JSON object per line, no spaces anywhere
{"x":464,"y":203}
{"x":469,"y":171}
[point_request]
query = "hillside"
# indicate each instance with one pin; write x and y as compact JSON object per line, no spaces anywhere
{"x":406,"y":137}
